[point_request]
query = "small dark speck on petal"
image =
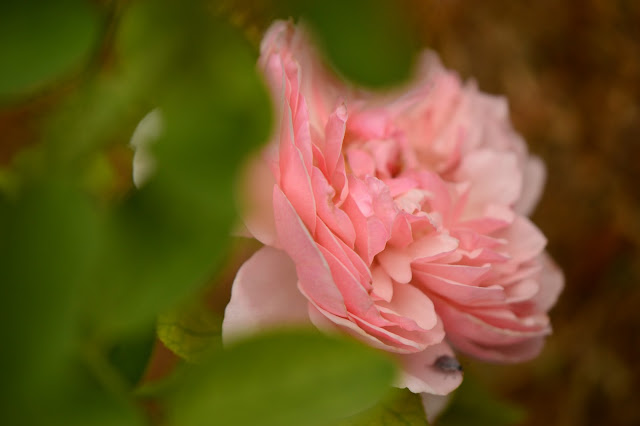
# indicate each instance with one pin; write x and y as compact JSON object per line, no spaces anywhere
{"x":447,"y":364}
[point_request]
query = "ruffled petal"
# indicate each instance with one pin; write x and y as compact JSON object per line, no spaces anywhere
{"x":313,"y":271}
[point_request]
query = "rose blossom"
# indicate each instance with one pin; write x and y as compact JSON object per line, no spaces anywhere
{"x":398,"y":218}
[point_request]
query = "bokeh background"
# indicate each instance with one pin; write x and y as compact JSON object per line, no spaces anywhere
{"x":571,"y":72}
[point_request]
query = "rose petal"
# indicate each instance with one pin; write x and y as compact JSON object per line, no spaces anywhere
{"x":257,"y":197}
{"x":533,"y":182}
{"x":517,"y":352}
{"x":412,"y":303}
{"x":313,"y":272}
{"x":434,"y":405}
{"x":420,"y":374}
{"x":495,"y":178}
{"x":295,"y":179}
{"x":551,"y":284}
{"x":264,"y":295}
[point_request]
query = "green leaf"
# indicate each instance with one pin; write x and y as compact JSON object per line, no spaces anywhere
{"x":192,"y":331}
{"x":40,"y":41}
{"x":49,"y":239}
{"x":367,"y":40}
{"x":474,"y":404}
{"x":168,"y":238}
{"x":78,"y":398}
{"x":131,"y":354}
{"x":286,"y":378}
{"x":399,"y":408}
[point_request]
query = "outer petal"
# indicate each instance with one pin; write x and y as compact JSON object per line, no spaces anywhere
{"x":551,"y":283}
{"x":495,"y":178}
{"x":533,"y":182}
{"x":518,"y":352}
{"x":257,"y":198}
{"x":264,"y":295}
{"x":421,"y":375}
{"x":434,"y":405}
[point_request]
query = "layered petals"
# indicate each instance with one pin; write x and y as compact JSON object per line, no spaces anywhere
{"x":398,"y":218}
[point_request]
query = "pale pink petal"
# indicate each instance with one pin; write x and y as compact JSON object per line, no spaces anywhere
{"x":371,"y":124}
{"x":434,"y":405}
{"x":396,"y":263}
{"x":371,"y":234}
{"x":360,"y":163}
{"x":469,"y":275}
{"x":412,"y":303}
{"x":401,"y":232}
{"x":402,"y":339}
{"x":470,"y":327}
{"x":524,"y":240}
{"x":264,"y":295}
{"x":458,"y":292}
{"x":522,"y":291}
{"x":421,"y":375}
{"x":517,"y":352}
{"x":382,"y":284}
{"x":330,"y":323}
{"x":551,"y":283}
{"x":390,"y":338}
{"x":495,"y":178}
{"x":532,"y":185}
{"x":433,"y":246}
{"x":257,"y":199}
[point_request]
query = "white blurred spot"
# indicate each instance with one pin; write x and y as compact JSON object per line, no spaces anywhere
{"x":146,"y":133}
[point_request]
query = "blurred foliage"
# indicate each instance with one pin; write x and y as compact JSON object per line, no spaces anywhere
{"x":285,"y":378}
{"x":367,"y":40}
{"x":191,"y":331}
{"x":42,"y":41}
{"x":399,"y":408}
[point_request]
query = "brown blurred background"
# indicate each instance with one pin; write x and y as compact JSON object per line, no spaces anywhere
{"x":571,"y":72}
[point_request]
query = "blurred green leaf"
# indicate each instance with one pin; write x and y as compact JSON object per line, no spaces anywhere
{"x":42,"y":40}
{"x":191,"y":331}
{"x":399,"y":408}
{"x":105,"y":109}
{"x":79,"y":398}
{"x":367,"y":40}
{"x":474,"y":404}
{"x":168,"y":237}
{"x":49,"y":239}
{"x":131,"y":354}
{"x":287,"y":378}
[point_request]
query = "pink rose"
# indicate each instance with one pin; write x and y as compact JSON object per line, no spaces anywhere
{"x":398,"y":218}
